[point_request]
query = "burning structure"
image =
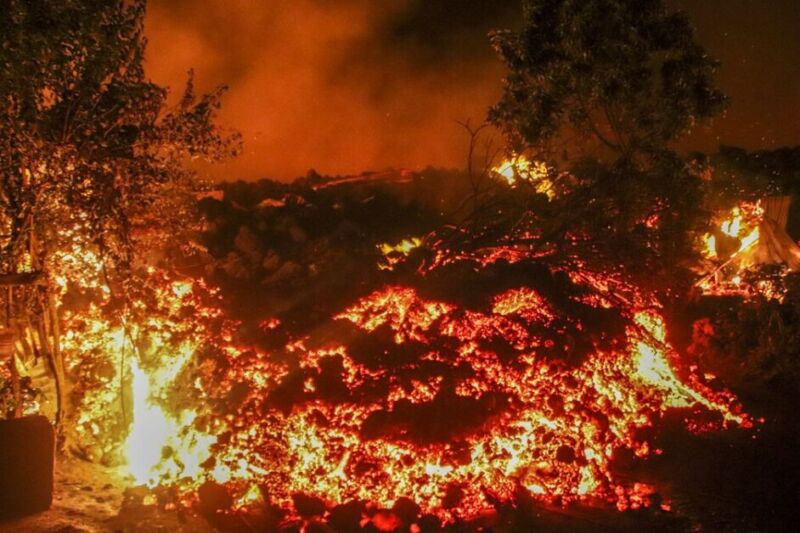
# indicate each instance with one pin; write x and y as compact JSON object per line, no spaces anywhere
{"x":753,"y":235}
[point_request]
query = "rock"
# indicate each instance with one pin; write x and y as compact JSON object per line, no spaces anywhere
{"x":69,"y":528}
{"x":287,"y":270}
{"x":297,"y":234}
{"x":346,"y":517}
{"x":318,"y":527}
{"x":407,"y":510}
{"x":429,"y":523}
{"x":290,"y":226}
{"x":271,"y":261}
{"x":214,"y":497}
{"x":347,"y":231}
{"x":235,"y":266}
{"x":453,"y":495}
{"x":308,"y":506}
{"x":565,"y":454}
{"x":248,"y":243}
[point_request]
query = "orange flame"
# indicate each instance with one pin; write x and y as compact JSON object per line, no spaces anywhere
{"x":519,"y":169}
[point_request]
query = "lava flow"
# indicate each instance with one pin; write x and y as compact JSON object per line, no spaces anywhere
{"x":451,"y":407}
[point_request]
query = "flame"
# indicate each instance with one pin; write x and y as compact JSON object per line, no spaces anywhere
{"x":404,"y":247}
{"x":518,"y":169}
{"x":710,"y":246}
{"x":161,"y":446}
{"x":394,"y":253}
{"x":733,"y":226}
{"x":742,"y":225}
{"x":150,"y":431}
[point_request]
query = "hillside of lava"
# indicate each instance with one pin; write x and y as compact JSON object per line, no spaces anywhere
{"x":294,"y":374}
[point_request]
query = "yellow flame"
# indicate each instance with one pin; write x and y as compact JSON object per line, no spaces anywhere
{"x":732,"y":226}
{"x":749,"y":240}
{"x":150,"y":431}
{"x":394,"y":253}
{"x":710,"y":246}
{"x":403,"y":247}
{"x":519,"y":168}
{"x":160,"y":445}
{"x":742,"y":224}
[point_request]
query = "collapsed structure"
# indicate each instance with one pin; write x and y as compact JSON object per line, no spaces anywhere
{"x":751,"y":236}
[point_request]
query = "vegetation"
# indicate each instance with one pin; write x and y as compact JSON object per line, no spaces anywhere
{"x":600,"y":90}
{"x":91,"y":156}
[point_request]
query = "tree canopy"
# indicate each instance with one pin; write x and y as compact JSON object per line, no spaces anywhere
{"x":93,"y":158}
{"x":85,"y":137}
{"x":599,"y":90}
{"x":626,"y":76}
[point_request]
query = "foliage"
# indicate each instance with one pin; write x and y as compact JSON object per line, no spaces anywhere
{"x":622,"y":73}
{"x":92,"y":158}
{"x":599,"y":90}
{"x":86,"y":138}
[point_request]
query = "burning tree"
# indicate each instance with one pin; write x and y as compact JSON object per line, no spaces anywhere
{"x":600,"y":91}
{"x":93,"y":160}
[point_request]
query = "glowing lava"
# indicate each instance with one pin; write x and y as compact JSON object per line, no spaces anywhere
{"x":452,"y":407}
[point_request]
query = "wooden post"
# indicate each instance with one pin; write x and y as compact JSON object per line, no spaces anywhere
{"x":7,"y":353}
{"x":7,"y":336}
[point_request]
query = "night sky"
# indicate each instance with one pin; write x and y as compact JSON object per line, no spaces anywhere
{"x":349,"y":85}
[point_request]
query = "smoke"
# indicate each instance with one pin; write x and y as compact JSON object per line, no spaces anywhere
{"x":349,"y":85}
{"x":338,"y":85}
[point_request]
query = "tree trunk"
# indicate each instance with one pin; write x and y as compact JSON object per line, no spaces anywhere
{"x":58,"y":360}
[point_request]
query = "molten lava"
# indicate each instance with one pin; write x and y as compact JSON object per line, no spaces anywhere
{"x":451,"y":407}
{"x":554,"y":431}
